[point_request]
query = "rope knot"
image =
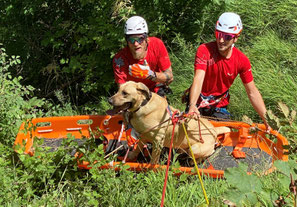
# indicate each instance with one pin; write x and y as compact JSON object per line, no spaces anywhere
{"x":175,"y":117}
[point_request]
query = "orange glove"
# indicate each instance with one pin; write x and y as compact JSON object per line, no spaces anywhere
{"x":141,"y":71}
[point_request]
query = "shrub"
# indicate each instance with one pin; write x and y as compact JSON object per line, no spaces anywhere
{"x":16,"y":101}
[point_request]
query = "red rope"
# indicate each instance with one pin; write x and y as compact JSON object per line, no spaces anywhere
{"x":174,"y":122}
{"x":203,"y":104}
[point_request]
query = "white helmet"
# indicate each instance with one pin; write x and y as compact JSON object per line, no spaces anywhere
{"x":229,"y":23}
{"x":135,"y":25}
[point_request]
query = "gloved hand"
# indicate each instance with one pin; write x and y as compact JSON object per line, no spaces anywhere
{"x":141,"y":71}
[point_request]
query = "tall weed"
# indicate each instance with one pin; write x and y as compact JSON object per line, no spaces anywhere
{"x":16,"y":101}
{"x":17,"y":104}
{"x":260,"y":16}
{"x":183,"y":69}
{"x":274,"y":68}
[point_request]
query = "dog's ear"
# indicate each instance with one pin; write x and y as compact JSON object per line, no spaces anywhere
{"x":144,"y":89}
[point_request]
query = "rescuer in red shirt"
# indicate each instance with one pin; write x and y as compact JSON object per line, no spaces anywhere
{"x":216,"y":66}
{"x":144,"y":59}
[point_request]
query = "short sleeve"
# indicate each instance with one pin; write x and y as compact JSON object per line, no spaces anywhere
{"x":201,"y":58}
{"x":246,"y":70}
{"x":119,"y":68}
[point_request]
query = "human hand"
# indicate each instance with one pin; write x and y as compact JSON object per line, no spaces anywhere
{"x":193,"y":111}
{"x":268,"y":128}
{"x":141,"y":71}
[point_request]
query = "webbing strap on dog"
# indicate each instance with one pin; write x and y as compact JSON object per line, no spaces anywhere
{"x":196,"y":167}
{"x":169,"y":111}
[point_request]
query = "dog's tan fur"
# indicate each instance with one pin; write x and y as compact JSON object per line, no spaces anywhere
{"x":146,"y":118}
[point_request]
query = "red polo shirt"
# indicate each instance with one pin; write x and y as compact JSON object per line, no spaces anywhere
{"x":219,"y":71}
{"x":157,"y":58}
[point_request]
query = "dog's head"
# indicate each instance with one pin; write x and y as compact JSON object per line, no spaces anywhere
{"x":130,"y":97}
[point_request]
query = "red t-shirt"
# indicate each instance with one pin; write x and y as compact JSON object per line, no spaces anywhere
{"x":157,"y":58}
{"x":219,"y":71}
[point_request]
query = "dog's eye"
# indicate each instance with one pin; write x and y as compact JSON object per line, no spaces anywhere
{"x":124,"y":93}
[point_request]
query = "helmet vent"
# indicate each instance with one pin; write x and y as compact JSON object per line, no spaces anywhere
{"x":135,"y":25}
{"x":229,"y":22}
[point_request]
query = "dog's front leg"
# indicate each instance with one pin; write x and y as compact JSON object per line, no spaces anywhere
{"x":156,"y":151}
{"x":134,"y":154}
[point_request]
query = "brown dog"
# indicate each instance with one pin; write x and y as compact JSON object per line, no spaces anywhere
{"x":148,"y":113}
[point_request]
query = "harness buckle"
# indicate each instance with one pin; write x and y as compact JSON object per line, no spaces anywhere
{"x":207,"y":101}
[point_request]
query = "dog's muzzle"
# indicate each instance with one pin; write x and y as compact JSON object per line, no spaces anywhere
{"x":118,"y":109}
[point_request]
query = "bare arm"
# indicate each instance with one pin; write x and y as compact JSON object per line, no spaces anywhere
{"x":256,"y":100}
{"x":164,"y":77}
{"x":196,"y":90}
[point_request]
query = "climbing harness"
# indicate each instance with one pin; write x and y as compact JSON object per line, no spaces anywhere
{"x":211,"y":100}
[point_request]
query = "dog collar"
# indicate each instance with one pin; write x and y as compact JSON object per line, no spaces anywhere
{"x":144,"y":102}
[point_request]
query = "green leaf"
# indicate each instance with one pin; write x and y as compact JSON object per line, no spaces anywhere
{"x":62,"y":61}
{"x":282,"y":167}
{"x":247,"y":186}
{"x":183,"y":177}
{"x":284,"y":108}
{"x":247,"y":119}
{"x":233,"y":174}
{"x":272,"y":120}
{"x":251,"y":198}
{"x":234,"y":196}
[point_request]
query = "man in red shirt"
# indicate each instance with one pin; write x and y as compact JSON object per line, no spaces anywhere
{"x":144,"y":59}
{"x":216,"y":66}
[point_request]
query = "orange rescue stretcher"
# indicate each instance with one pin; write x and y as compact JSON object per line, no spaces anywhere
{"x":245,"y":143}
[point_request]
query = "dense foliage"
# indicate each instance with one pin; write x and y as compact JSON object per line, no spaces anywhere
{"x":55,"y":59}
{"x":68,"y":45}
